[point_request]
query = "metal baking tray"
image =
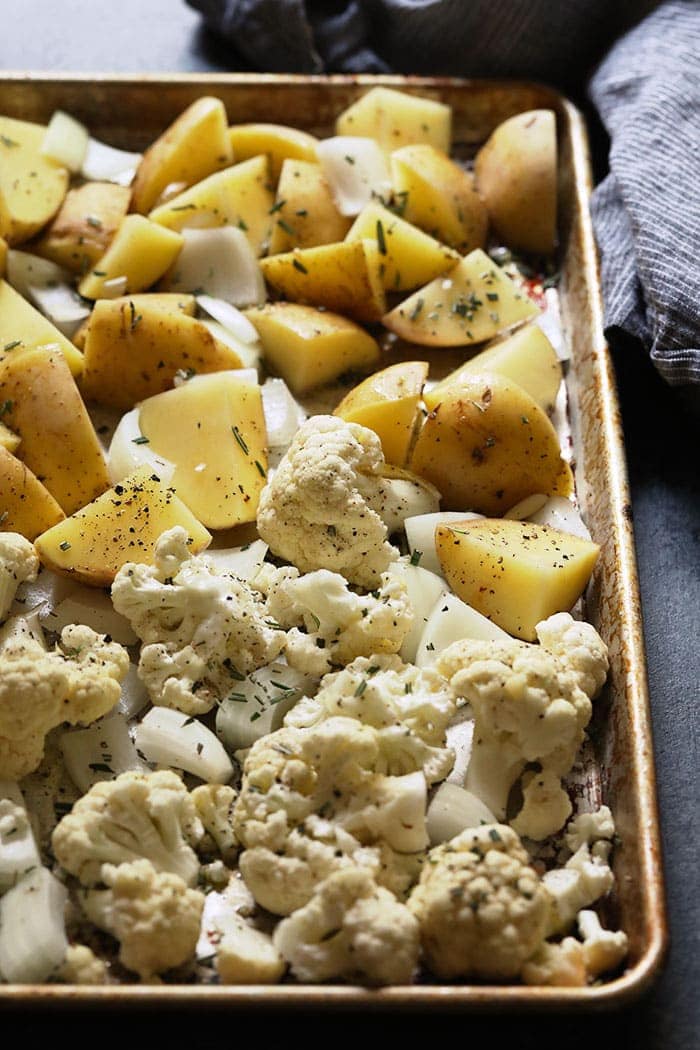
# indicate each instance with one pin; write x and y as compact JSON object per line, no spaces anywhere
{"x":129,"y":112}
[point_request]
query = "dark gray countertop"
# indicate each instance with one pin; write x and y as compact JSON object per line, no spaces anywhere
{"x":661,"y":442}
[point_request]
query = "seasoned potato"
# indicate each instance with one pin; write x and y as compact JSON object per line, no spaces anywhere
{"x":32,"y":187}
{"x":58,"y":440}
{"x":26,"y":506}
{"x":3,"y":256}
{"x":516,"y":173}
{"x":527,"y":358}
{"x":394,"y":118}
{"x":134,"y":352}
{"x":276,"y":141}
{"x":305,"y":214}
{"x":387,"y":403}
{"x":170,"y":302}
{"x":24,"y":328}
{"x":472,"y":302}
{"x":409,"y":257}
{"x":514,"y":572}
{"x":141,"y":251}
{"x":85,"y":225}
{"x":123,"y":524}
{"x":309,"y":347}
{"x":8,"y":438}
{"x":344,"y":277}
{"x":487,"y":445}
{"x":439,"y":196}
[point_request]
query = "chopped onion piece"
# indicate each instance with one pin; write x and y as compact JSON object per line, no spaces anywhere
{"x":22,"y":628}
{"x":127,"y":452}
{"x":549,"y":320}
{"x":48,"y":287}
{"x":424,"y":589}
{"x":420,"y":533}
{"x":93,"y":608}
{"x":258,"y":704}
{"x":526,"y":507}
{"x":171,"y":738}
{"x":242,"y":562}
{"x":283,"y":415}
{"x":43,"y":594}
{"x":356,"y":170}
{"x":450,"y":621}
{"x":560,"y":513}
{"x":249,"y":353}
{"x":452,"y":810}
{"x":405,"y":498}
{"x":18,"y":848}
{"x":134,"y":694}
{"x":220,"y":262}
{"x":104,"y":163}
{"x":33,"y":940}
{"x":230,"y":317}
{"x":114,"y":288}
{"x":65,"y":141}
{"x":100,"y":752}
{"x":25,"y":271}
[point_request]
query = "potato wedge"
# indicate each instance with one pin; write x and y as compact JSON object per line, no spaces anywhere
{"x":409,"y":257}
{"x":516,"y":173}
{"x":170,"y":302}
{"x":469,"y":304}
{"x":141,"y":251}
{"x":85,"y":225}
{"x":194,"y":146}
{"x":437,"y":195}
{"x":395,"y":118}
{"x":58,"y":439}
{"x":276,"y":141}
{"x":132,"y":353}
{"x":22,"y":328}
{"x":387,"y":403}
{"x":343,"y":277}
{"x":305,"y":214}
{"x":121,"y":525}
{"x":310,"y":347}
{"x":32,"y":187}
{"x":487,"y":445}
{"x":26,"y":506}
{"x":514,"y":572}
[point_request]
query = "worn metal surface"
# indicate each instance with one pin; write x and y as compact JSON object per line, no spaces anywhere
{"x":130,"y":112}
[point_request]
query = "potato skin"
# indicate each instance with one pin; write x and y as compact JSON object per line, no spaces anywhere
{"x":26,"y":505}
{"x":83,"y":229}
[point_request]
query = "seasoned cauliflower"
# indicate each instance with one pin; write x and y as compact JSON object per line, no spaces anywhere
{"x":82,"y":966}
{"x":351,"y":929}
{"x":482,"y":909}
{"x":77,"y":682}
{"x":410,"y":708}
{"x":583,"y":880}
{"x":602,"y":949}
{"x":153,"y":914}
{"x":336,"y":624}
{"x":590,"y":829}
{"x":561,"y":965}
{"x":321,"y":509}
{"x":202,"y":629}
{"x":18,"y":848}
{"x":530,"y":704}
{"x":135,"y":816}
{"x":214,"y":805}
{"x":19,"y":561}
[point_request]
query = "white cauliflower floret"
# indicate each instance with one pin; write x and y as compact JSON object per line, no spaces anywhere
{"x":337,"y":624}
{"x":603,"y":950}
{"x":561,"y":965}
{"x":353,"y":930}
{"x":482,"y":909}
{"x":135,"y":816}
{"x":202,"y":629}
{"x":214,"y":805}
{"x":588,"y":829}
{"x":19,"y":561}
{"x":410,"y":708}
{"x":82,"y":966}
{"x":153,"y":914}
{"x":583,"y":880}
{"x":321,"y":509}
{"x":77,"y":682}
{"x":529,"y":705}
{"x":18,"y":849}
{"x":546,"y":805}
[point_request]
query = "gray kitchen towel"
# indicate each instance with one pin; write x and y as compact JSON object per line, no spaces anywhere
{"x":646,"y":212}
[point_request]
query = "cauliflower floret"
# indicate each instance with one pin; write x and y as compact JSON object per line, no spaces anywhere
{"x":214,"y":805}
{"x":321,"y":509}
{"x":561,"y":965}
{"x":529,"y":706}
{"x":19,"y":561}
{"x":482,"y":909}
{"x":546,"y":805}
{"x":135,"y":816}
{"x":351,"y":929}
{"x":338,"y":624}
{"x":202,"y":629}
{"x":153,"y":914}
{"x":410,"y":708}
{"x":589,"y":829}
{"x":602,"y":949}
{"x":18,"y":849}
{"x":583,"y":880}
{"x":77,"y":682}
{"x":82,"y":966}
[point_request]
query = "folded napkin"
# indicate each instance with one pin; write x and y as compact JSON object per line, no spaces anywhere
{"x":646,"y":212}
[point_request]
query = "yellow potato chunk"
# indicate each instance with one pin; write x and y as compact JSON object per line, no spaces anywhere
{"x":85,"y":225}
{"x":237,"y":196}
{"x":24,"y":328}
{"x":219,"y":446}
{"x":58,"y":439}
{"x":487,"y":445}
{"x":194,"y":146}
{"x":141,"y":251}
{"x":409,"y":257}
{"x":395,"y":119}
{"x":121,"y":525}
{"x":32,"y":186}
{"x":343,"y":277}
{"x":276,"y":141}
{"x":3,"y":256}
{"x":469,"y":304}
{"x":26,"y":506}
{"x":309,"y":347}
{"x":527,"y":358}
{"x":516,"y":172}
{"x":439,"y":196}
{"x":305,"y":214}
{"x":8,"y":438}
{"x":169,"y":302}
{"x":133,"y":351}
{"x":514,"y":572}
{"x":387,"y":403}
